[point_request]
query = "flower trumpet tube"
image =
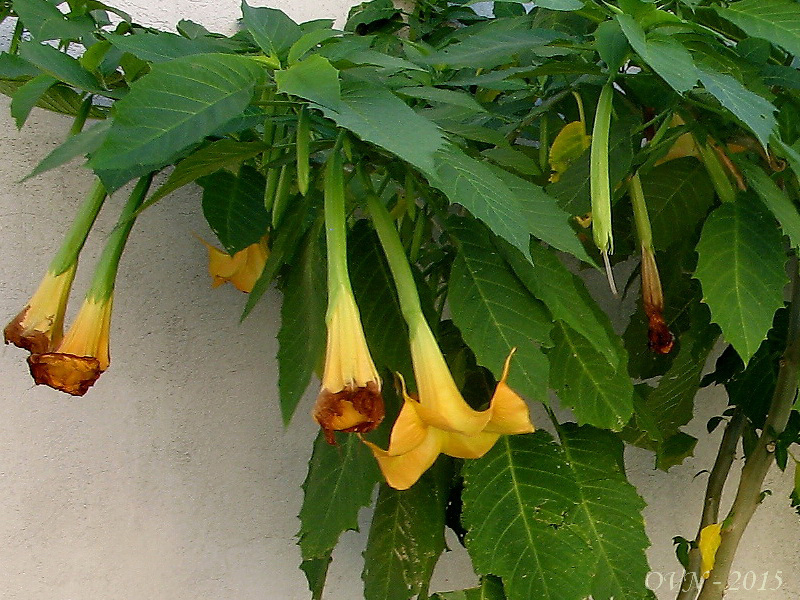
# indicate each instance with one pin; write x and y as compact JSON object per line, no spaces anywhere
{"x":438,"y":420}
{"x":39,"y":326}
{"x":660,"y":338}
{"x":83,"y":354}
{"x":350,"y":396}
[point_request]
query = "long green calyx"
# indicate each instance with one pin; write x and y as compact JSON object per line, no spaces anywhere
{"x":396,"y":257}
{"x":716,"y":172}
{"x":105,"y":274}
{"x":71,"y":247}
{"x":336,"y":226}
{"x":599,"y":178}
{"x":640,"y":217}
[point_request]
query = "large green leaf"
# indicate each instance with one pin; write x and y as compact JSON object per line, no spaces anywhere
{"x":741,"y":268}
{"x":609,"y":513}
{"x":776,"y":200}
{"x":678,"y":194}
{"x":162,"y":46}
{"x":406,"y":537}
{"x":491,"y":588}
{"x":234,"y":207}
{"x":272,"y":29}
{"x":547,"y":221}
{"x":567,"y":299}
{"x":750,"y":108}
{"x":374,"y":290}
{"x":339,"y":483}
{"x":777,"y":21}
{"x":63,"y":67}
{"x":45,"y":22}
{"x":491,"y":48}
{"x":598,"y":393}
{"x":517,"y":502}
{"x":302,"y":335}
{"x":28,"y":95}
{"x":217,"y":155}
{"x":663,"y":54}
{"x":496,"y":313}
{"x":174,"y":106}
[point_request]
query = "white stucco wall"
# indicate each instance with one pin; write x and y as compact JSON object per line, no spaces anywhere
{"x":173,"y":477}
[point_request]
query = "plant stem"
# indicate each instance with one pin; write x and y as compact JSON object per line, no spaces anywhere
{"x":16,"y":37}
{"x":748,"y":496}
{"x":640,"y":216}
{"x":336,"y":225}
{"x":398,"y":263}
{"x":714,"y":487}
{"x":81,"y":116}
{"x":106,"y":271}
{"x":73,"y":242}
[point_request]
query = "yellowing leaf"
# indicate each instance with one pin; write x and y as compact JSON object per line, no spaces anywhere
{"x":570,"y":143}
{"x":708,"y":543}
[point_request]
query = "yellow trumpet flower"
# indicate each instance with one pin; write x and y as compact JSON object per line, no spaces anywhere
{"x":39,"y":326}
{"x":424,"y":428}
{"x":350,"y":396}
{"x":242,"y":269}
{"x":82,"y":355}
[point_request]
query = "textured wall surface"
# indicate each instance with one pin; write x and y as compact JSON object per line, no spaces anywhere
{"x":174,"y":478}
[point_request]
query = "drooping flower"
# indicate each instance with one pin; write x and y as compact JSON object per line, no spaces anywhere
{"x":439,"y":420}
{"x":39,"y":326}
{"x":242,"y":269}
{"x":423,"y":429}
{"x":83,"y":354}
{"x":350,"y":396}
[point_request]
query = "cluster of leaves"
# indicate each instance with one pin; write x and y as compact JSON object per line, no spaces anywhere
{"x":450,"y":115}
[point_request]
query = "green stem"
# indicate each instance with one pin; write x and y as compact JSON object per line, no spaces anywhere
{"x":16,"y":37}
{"x":81,"y":116}
{"x":336,"y":224}
{"x":73,"y":242}
{"x":105,"y":273}
{"x":716,"y":483}
{"x":748,"y":495}
{"x":396,"y":257}
{"x":640,"y":216}
{"x":544,"y":145}
{"x":716,"y":172}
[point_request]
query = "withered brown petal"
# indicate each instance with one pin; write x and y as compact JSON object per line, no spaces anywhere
{"x":358,"y":410}
{"x":66,"y":372}
{"x":34,"y":341}
{"x":660,"y":338}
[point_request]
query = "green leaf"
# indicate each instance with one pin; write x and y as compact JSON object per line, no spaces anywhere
{"x":302,"y":335}
{"x":308,"y":41}
{"x":59,"y":99}
{"x":234,"y":207}
{"x":314,"y":79}
{"x":598,"y":393}
{"x":62,"y":66}
{"x":776,"y":200}
{"x":316,"y":571}
{"x":475,"y":186}
{"x":74,"y":146}
{"x":28,"y":96}
{"x":272,"y":29}
{"x":679,"y":194}
{"x":406,"y":536}
{"x":162,"y":46}
{"x":491,"y":48}
{"x":221,"y":154}
{"x":45,"y":22}
{"x":517,"y":499}
{"x":174,"y":106}
{"x":339,"y":483}
{"x":741,"y":269}
{"x":373,"y":286}
{"x":495,"y":312}
{"x":612,"y":45}
{"x":12,"y":66}
{"x":442,"y":96}
{"x":491,"y":588}
{"x":663,"y":54}
{"x":750,"y":108}
{"x":777,"y":21}
{"x":674,"y":450}
{"x":567,"y":299}
{"x":547,"y":221}
{"x":609,"y":512}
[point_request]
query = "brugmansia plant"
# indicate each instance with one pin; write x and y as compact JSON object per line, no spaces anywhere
{"x":420,"y":186}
